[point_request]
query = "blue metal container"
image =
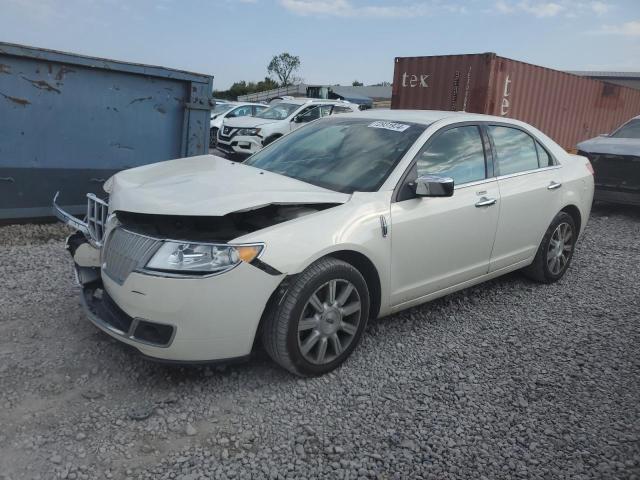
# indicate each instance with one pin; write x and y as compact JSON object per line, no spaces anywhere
{"x":68,"y":122}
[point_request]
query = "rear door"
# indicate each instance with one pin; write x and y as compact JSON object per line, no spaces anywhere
{"x":530,"y":185}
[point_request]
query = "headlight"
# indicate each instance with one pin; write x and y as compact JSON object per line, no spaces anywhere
{"x":201,"y":258}
{"x":250,"y":132}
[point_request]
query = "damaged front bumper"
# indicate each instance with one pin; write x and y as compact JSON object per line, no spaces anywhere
{"x":212,"y":318}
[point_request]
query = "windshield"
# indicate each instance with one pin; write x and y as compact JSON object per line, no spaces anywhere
{"x":342,"y":154}
{"x":629,"y":130}
{"x":221,"y":107}
{"x":279,"y":111}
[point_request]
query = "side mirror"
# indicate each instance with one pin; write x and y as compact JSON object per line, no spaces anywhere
{"x":434,"y":186}
{"x":297,"y":119}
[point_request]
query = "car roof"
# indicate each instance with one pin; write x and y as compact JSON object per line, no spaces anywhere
{"x":304,"y":101}
{"x":427,"y":117}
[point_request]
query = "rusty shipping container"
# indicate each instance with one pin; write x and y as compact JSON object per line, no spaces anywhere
{"x":566,"y":107}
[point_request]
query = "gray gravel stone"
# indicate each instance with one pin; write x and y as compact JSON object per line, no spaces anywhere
{"x":508,"y":379}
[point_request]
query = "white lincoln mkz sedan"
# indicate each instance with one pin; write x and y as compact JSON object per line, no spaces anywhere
{"x":351,"y":217}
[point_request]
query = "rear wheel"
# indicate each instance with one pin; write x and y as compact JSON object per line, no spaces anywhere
{"x":321,"y":319}
{"x":213,"y":137}
{"x":555,"y":251}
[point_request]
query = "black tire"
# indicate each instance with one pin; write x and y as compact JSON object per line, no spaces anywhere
{"x":271,"y":139}
{"x":540,"y":270}
{"x":213,"y":137}
{"x":280,"y":335}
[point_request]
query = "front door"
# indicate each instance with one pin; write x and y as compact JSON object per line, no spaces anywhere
{"x":441,"y":242}
{"x":309,"y":114}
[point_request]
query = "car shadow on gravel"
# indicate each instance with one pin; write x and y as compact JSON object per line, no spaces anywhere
{"x":609,"y":209}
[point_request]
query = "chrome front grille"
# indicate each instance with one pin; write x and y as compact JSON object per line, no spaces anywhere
{"x":124,"y":252}
{"x":97,"y":212}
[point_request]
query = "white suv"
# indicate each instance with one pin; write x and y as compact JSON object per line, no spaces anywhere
{"x":230,"y":110}
{"x":245,"y":136}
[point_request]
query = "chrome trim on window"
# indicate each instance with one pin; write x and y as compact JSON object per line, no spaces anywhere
{"x":476,"y":183}
{"x":528,"y":172}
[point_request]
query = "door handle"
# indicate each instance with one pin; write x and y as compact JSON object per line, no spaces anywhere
{"x":7,"y":179}
{"x":97,"y":180}
{"x":486,"y":201}
{"x":554,"y":185}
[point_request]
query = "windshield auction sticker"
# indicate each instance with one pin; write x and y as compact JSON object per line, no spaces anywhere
{"x":396,"y":127}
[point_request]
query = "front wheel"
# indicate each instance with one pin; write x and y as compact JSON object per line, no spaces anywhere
{"x":555,"y":251}
{"x":321,"y":319}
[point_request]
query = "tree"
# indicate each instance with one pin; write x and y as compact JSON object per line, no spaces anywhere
{"x":243,"y":88}
{"x":284,"y":66}
{"x":356,"y":83}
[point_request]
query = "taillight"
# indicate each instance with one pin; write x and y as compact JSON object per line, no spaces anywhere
{"x":589,"y":167}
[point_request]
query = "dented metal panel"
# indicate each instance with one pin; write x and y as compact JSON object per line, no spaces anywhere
{"x":566,"y":107}
{"x":68,"y":122}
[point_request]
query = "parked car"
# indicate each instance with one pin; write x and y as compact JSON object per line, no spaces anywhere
{"x":241,"y":137}
{"x":616,"y":161}
{"x":230,"y":110}
{"x":352,"y":217}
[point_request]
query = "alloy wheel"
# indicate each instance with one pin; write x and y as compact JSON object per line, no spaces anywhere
{"x":560,"y":248}
{"x":329,"y":321}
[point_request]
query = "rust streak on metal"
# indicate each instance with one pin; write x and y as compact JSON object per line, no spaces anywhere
{"x":119,"y":145}
{"x":62,"y":72}
{"x":141,"y":99}
{"x":20,"y":101}
{"x":42,"y":85}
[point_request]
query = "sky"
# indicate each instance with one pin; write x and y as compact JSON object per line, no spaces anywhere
{"x":338,"y":41}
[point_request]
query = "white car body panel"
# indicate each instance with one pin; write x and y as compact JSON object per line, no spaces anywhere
{"x":213,"y":320}
{"x":430,"y":219}
{"x":432,"y":246}
{"x":208,"y":186}
{"x":524,"y":196}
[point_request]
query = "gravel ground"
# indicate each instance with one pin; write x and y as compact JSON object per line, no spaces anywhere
{"x":509,"y":379}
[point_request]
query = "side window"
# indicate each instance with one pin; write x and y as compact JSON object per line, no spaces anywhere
{"x":240,"y":112}
{"x":339,"y":109}
{"x":544,"y":159}
{"x":309,"y":114}
{"x":325,"y":110}
{"x":257,"y":109}
{"x":457,"y":153}
{"x":515,"y":149}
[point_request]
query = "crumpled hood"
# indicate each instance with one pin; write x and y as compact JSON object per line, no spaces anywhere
{"x":246,"y":122}
{"x":208,"y":186}
{"x":611,"y":145}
